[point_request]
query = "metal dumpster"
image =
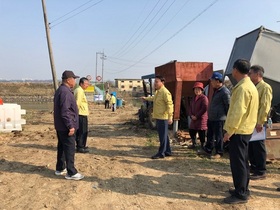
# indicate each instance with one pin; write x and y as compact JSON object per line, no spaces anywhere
{"x":179,"y":80}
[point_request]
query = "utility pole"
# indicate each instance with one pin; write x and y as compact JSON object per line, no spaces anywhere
{"x":96,"y":66}
{"x":55,"y":83}
{"x":103,"y":57}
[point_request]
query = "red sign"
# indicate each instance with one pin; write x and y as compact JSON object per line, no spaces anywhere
{"x":98,"y":78}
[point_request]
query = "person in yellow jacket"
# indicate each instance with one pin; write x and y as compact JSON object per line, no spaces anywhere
{"x":107,"y":99}
{"x":113,"y":102}
{"x":257,"y":150}
{"x":82,"y":103}
{"x":239,"y":126}
{"x":163,"y":113}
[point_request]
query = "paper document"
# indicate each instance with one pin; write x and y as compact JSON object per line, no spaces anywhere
{"x":259,"y":136}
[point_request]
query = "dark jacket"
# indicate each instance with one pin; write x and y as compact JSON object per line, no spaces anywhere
{"x":219,"y":105}
{"x":199,"y":108}
{"x":65,"y":109}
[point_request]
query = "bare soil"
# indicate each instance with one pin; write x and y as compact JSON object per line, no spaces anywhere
{"x":119,"y":173}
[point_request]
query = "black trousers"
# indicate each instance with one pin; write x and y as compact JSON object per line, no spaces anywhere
{"x":238,"y":155}
{"x":113,"y":107}
{"x":215,"y":132}
{"x":162,"y":129}
{"x":65,"y":152}
{"x":201,"y":134}
{"x":82,"y":132}
{"x":107,"y":104}
{"x":257,"y":157}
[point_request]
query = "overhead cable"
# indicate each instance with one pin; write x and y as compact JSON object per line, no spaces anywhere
{"x":175,"y":34}
{"x":51,"y":26}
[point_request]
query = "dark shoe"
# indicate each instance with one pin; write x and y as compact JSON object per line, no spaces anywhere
{"x":191,"y":146}
{"x":203,"y":152}
{"x":278,"y":189}
{"x":234,"y":200}
{"x":157,"y":156}
{"x":168,"y":154}
{"x":82,"y":150}
{"x":252,"y":170}
{"x":257,"y":176}
{"x":232,"y":191}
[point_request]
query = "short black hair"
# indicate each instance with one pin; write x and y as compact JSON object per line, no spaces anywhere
{"x":82,"y":80}
{"x":258,"y":69}
{"x":161,"y":78}
{"x":242,"y":65}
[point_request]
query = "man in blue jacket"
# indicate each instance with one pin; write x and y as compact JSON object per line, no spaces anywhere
{"x":217,"y":112}
{"x":66,"y":123}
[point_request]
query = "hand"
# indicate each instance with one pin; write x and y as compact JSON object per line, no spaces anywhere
{"x":170,"y":122}
{"x":194,"y":117}
{"x":143,"y":98}
{"x":71,"y":131}
{"x":226,"y":137}
{"x":259,"y":128}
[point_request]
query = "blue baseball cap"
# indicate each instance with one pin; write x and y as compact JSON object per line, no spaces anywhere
{"x":217,"y":76}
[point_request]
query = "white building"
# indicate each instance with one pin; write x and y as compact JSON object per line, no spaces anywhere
{"x":129,"y":84}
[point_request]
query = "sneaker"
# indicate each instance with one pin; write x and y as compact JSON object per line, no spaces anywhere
{"x":77,"y":176}
{"x":257,"y":176}
{"x":59,"y":173}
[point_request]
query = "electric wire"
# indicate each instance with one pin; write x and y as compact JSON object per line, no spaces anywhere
{"x":70,"y":12}
{"x":142,"y":11}
{"x":175,"y":34}
{"x":150,"y":27}
{"x":160,"y":31}
{"x":74,"y":14}
{"x":124,"y":46}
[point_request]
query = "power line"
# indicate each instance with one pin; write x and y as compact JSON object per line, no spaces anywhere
{"x":142,"y":11}
{"x":74,"y":14}
{"x":70,"y":12}
{"x":160,"y":31}
{"x":191,"y":21}
{"x":150,"y":27}
{"x":124,"y":46}
{"x":127,"y":63}
{"x":124,"y":60}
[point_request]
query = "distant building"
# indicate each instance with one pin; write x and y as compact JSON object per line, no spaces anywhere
{"x":129,"y":84}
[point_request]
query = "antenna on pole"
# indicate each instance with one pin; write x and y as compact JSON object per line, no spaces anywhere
{"x":55,"y":83}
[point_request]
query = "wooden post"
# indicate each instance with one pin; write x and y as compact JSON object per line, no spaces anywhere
{"x":55,"y":83}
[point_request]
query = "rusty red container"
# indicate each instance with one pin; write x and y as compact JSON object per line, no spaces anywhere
{"x":180,"y":78}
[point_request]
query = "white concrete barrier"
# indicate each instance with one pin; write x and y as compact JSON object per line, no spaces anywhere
{"x":10,"y":117}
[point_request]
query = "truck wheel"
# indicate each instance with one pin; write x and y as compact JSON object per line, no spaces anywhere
{"x":141,"y":114}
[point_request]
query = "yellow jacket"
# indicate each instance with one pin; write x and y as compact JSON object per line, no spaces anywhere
{"x":265,"y":97}
{"x":81,"y":101}
{"x":162,"y":104}
{"x":113,"y":99}
{"x":107,"y":96}
{"x":243,"y":108}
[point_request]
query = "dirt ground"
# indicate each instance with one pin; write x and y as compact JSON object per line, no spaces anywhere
{"x":119,"y":173}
